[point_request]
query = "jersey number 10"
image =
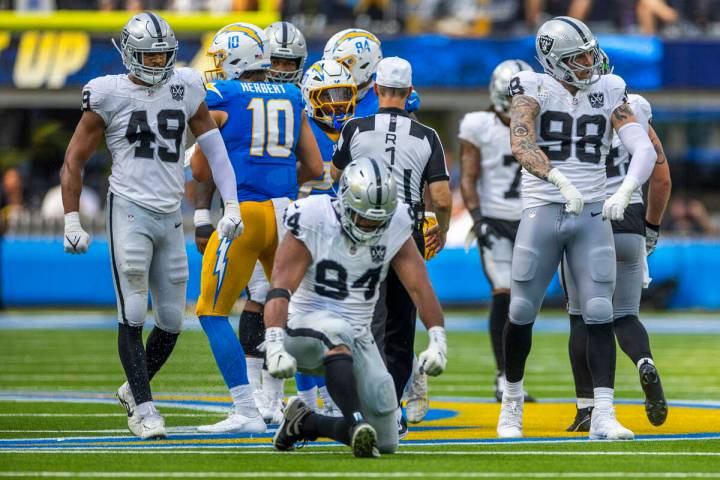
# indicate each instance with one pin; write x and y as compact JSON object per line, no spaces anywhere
{"x":266,"y":131}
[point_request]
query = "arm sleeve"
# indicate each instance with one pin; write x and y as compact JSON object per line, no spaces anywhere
{"x":213,"y":147}
{"x":436,"y":169}
{"x":341,"y":157}
{"x":643,"y":156}
{"x":94,"y":99}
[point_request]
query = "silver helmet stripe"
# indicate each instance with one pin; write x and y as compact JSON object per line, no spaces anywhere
{"x":378,"y":182}
{"x":284,"y":34}
{"x":575,"y":26}
{"x":156,"y":24}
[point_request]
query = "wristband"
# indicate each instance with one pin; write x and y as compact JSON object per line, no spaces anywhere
{"x":202,"y":217}
{"x":72,"y":219}
{"x":278,"y":293}
{"x":652,"y":226}
{"x":476,"y":215}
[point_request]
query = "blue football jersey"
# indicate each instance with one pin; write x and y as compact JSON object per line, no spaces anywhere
{"x":261,"y":134}
{"x":327,"y":142}
{"x":368,"y":105}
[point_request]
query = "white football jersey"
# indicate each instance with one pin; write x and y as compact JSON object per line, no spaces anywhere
{"x":618,"y":159}
{"x":499,"y":184}
{"x":145,"y":131}
{"x":343,"y":278}
{"x":575,"y":132}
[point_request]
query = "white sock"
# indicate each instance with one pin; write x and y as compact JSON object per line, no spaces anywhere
{"x":603,"y":399}
{"x":146,"y":408}
{"x":243,"y":400}
{"x":309,"y":397}
{"x":273,"y":387}
{"x":645,"y":359}
{"x":513,"y":389}
{"x":326,"y":398}
{"x":254,"y":369}
{"x":585,"y":403}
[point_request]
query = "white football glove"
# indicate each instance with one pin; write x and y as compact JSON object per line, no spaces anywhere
{"x":76,"y":238}
{"x":573,"y":198}
{"x":614,"y":207}
{"x":230,"y":225}
{"x":433,"y":360}
{"x":280,"y":364}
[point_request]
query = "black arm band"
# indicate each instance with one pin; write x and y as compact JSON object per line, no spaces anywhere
{"x":278,"y":293}
{"x":652,"y":226}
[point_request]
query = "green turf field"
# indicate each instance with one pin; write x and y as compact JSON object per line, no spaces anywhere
{"x":84,"y":363}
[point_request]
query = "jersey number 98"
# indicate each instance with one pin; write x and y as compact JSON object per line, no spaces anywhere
{"x":266,"y":131}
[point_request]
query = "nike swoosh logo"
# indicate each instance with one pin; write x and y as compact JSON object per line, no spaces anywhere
{"x":178,"y":224}
{"x":595,"y":214}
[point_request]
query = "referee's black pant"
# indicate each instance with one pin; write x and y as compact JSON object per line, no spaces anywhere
{"x":393,"y":326}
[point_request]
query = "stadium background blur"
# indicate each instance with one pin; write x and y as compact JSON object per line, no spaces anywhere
{"x":666,"y":50}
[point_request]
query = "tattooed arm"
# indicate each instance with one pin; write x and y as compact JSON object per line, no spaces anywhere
{"x":622,"y":115}
{"x":523,"y":112}
{"x":659,"y":185}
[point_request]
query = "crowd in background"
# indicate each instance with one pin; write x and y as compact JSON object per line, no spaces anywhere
{"x":453,"y":17}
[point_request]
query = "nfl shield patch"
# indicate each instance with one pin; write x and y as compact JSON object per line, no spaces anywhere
{"x":377,"y":253}
{"x":177,"y":92}
{"x":597,"y":99}
{"x":545,"y":42}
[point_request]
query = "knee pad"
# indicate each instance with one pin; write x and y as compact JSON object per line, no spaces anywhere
{"x":381,"y":389}
{"x":524,"y":264}
{"x":169,"y":317}
{"x":136,"y":308}
{"x":251,"y":333}
{"x":602,"y":264}
{"x":598,"y":310}
{"x":387,"y":448}
{"x":522,"y":311}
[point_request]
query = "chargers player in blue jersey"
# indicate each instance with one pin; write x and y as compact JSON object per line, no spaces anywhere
{"x":360,"y":51}
{"x":329,"y":93}
{"x":272,"y":149}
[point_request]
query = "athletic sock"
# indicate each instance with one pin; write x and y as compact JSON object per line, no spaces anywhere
{"x":158,"y":348}
{"x":342,"y":386}
{"x":226,"y":349}
{"x":584,"y":402}
{"x":517,"y":344}
{"x":644,"y":360}
{"x":309,"y":396}
{"x":496,"y":325}
{"x":272,"y":387}
{"x":601,"y":355}
{"x":577,"y":349}
{"x":132,"y":357}
{"x":254,"y":371}
{"x":632,"y":338}
{"x":514,"y":389}
{"x":243,"y":401}
{"x":326,"y":398}
{"x":316,"y":425}
{"x":603,"y":400}
{"x":146,"y":408}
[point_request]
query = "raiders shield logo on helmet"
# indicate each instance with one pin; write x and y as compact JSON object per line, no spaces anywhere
{"x":377,"y":253}
{"x":546,"y":43}
{"x":177,"y":92}
{"x":597,"y":99}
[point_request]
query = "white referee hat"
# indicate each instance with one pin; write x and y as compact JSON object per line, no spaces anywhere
{"x":394,"y":72}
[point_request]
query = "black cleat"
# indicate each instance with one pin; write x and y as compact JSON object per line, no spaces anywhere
{"x":582,"y":420}
{"x":656,"y":407}
{"x":288,"y":432}
{"x":364,"y":441}
{"x":402,"y":427}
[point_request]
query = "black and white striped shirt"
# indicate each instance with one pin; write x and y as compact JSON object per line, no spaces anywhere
{"x":410,"y":149}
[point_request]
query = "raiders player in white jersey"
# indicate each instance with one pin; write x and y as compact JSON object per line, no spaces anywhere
{"x":326,"y":276}
{"x":490,"y":186}
{"x":561,"y":125}
{"x":144,"y":116}
{"x":635,"y":237}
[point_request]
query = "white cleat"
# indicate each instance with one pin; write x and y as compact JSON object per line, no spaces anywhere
{"x":511,"y":418}
{"x":125,"y":396}
{"x":151,"y":426}
{"x":604,"y":426}
{"x":418,"y":403}
{"x":236,"y":423}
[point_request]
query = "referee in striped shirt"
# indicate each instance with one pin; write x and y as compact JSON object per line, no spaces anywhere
{"x":415,"y":155}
